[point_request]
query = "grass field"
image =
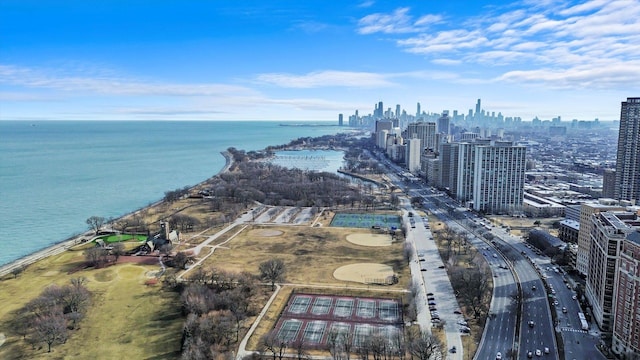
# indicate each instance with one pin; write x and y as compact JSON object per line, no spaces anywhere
{"x":122,"y":237}
{"x":127,"y":320}
{"x":311,"y":255}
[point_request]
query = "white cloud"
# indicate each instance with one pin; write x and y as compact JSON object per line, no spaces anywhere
{"x":13,"y":75}
{"x":397,"y":22}
{"x":325,"y":79}
{"x":550,"y":42}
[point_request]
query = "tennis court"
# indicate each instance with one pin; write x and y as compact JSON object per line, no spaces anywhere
{"x":310,"y":318}
{"x":365,"y":220}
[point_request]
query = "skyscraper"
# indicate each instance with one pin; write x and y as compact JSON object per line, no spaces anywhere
{"x":626,"y":329}
{"x":418,"y":111}
{"x":498,"y":184}
{"x":425,"y":131}
{"x":443,"y":123}
{"x":628,"y":154}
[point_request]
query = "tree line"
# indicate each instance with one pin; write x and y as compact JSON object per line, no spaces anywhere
{"x":49,"y":318}
{"x":216,"y":303}
{"x":342,"y":345}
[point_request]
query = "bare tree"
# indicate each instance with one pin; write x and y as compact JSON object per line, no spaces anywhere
{"x":17,"y":271}
{"x":122,"y":224}
{"x":273,"y":271}
{"x":117,"y":250}
{"x":425,"y":347}
{"x":276,"y":345}
{"x":300,"y":351}
{"x":95,"y":256}
{"x":408,"y":251}
{"x":50,"y":329}
{"x":95,"y":223}
{"x":181,"y":259}
{"x":473,"y":288}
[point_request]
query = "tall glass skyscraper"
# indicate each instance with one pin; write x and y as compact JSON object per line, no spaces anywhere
{"x":628,"y":154}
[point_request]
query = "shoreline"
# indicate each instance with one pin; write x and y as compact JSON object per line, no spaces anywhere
{"x":64,"y":245}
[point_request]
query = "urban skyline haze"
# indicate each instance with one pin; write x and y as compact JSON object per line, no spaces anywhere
{"x":310,"y":60}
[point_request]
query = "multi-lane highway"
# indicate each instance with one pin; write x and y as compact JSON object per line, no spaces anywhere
{"x":542,"y":291}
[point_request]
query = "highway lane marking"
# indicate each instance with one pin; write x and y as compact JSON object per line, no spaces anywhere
{"x":573,"y":330}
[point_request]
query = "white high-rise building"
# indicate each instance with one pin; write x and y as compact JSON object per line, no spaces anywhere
{"x":412,"y":155}
{"x":586,"y":225}
{"x":498,"y":184}
{"x":425,"y":131}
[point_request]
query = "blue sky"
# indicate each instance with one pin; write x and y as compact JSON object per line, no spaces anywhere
{"x":313,"y":59}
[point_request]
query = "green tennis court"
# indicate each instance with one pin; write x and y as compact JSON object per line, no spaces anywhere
{"x":365,"y":220}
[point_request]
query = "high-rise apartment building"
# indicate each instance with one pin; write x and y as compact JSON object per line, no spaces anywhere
{"x":425,"y":131}
{"x":448,"y":158}
{"x":626,"y":323}
{"x":464,"y":172}
{"x":498,"y":184}
{"x":412,"y":155}
{"x":609,"y":183}
{"x":586,"y":225}
{"x":609,"y":230}
{"x":627,"y":186}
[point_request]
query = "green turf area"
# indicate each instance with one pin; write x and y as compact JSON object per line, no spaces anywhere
{"x":123,"y":237}
{"x":365,"y":220}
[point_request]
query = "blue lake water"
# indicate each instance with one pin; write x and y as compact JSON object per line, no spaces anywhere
{"x":56,"y":174}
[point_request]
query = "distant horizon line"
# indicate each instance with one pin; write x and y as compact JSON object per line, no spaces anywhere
{"x":269,"y":120}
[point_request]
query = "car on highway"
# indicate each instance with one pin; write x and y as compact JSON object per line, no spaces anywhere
{"x":531,"y":324}
{"x":529,"y":354}
{"x":538,"y":352}
{"x":499,"y":356}
{"x":564,"y":309}
{"x":454,"y":350}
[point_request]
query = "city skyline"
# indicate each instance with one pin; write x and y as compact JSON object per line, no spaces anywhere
{"x":311,"y":60}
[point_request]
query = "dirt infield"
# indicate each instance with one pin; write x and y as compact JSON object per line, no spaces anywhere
{"x":265,"y":232}
{"x":366,"y":273}
{"x":370,"y":239}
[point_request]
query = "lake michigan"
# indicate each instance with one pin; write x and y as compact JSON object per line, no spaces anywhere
{"x":56,"y":174}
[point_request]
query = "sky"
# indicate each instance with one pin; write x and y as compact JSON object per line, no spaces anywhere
{"x":313,"y":59}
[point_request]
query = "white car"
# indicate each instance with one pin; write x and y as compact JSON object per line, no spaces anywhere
{"x":538,"y":352}
{"x":499,"y":356}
